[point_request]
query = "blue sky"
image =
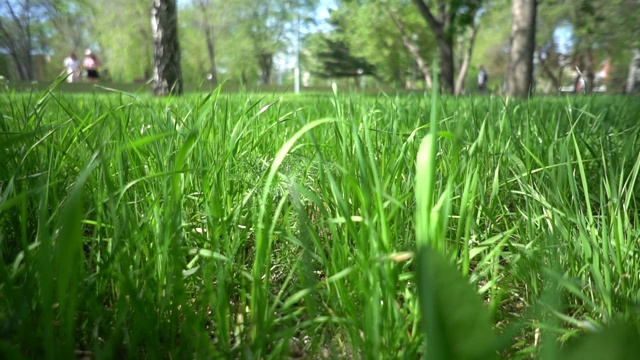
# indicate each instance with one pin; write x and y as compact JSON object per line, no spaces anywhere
{"x":323,"y":9}
{"x":563,"y":37}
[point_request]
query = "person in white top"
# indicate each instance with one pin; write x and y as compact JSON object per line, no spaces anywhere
{"x":72,"y":67}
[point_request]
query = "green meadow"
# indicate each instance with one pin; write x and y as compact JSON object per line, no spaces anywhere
{"x":336,"y":225}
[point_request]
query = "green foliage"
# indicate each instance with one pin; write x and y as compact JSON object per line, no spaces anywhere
{"x":253,"y":38}
{"x":244,"y":32}
{"x":233,"y":54}
{"x":122,"y":30}
{"x":369,"y":32}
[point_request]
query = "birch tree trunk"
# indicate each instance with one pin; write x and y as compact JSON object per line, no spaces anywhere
{"x":633,"y":78}
{"x":167,"y":76}
{"x":466,"y":60}
{"x":523,"y":40}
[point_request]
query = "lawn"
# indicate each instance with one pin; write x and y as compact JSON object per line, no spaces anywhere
{"x":250,"y":225}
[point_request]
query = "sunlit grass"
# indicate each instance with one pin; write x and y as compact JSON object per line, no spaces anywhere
{"x":250,"y":226}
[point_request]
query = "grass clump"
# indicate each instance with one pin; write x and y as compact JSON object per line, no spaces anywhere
{"x":265,"y":226}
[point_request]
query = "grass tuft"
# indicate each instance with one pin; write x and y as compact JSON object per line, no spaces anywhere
{"x":329,"y":225}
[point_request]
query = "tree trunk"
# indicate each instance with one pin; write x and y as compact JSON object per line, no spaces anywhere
{"x":212,"y":55}
{"x":588,"y":70}
{"x":445,"y":51}
{"x":28,"y":57}
{"x":21,"y":67}
{"x":633,"y":78}
{"x":167,"y":76}
{"x":209,"y":38}
{"x":464,"y":66}
{"x":523,"y":39}
{"x":266,"y":66}
{"x":19,"y":44}
{"x":443,"y":31}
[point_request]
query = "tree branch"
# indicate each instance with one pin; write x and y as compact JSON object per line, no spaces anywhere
{"x":547,"y":70}
{"x":436,"y":26}
{"x":411,"y":47}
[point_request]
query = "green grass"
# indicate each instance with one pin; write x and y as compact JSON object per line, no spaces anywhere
{"x":265,"y":226}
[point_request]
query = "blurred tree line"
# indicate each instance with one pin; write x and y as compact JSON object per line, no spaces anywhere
{"x":383,"y":42}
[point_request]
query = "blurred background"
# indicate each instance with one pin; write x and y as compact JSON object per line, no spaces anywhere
{"x":308,"y":44}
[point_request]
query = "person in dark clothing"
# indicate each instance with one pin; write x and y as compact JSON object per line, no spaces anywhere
{"x":91,"y":64}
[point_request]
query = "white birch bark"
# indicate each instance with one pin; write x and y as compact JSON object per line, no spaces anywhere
{"x":167,"y":76}
{"x":633,"y":78}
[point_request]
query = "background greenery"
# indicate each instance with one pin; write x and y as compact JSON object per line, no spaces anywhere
{"x":246,"y":33}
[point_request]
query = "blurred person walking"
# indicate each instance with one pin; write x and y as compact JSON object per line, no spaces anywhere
{"x":483,"y":77}
{"x":91,"y":65}
{"x":72,"y":67}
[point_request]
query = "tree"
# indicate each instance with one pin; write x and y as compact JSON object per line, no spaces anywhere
{"x":267,"y":24}
{"x":21,"y":32}
{"x":204,"y":7}
{"x":210,"y":48}
{"x":445,"y":24}
{"x":123,"y":37}
{"x":466,"y":44}
{"x":167,"y":75}
{"x":338,"y":62}
{"x":550,"y":61}
{"x":363,"y":31}
{"x":66,"y":21}
{"x":633,"y":79}
{"x":586,"y":19}
{"x":621,"y":34}
{"x":410,"y":45}
{"x":602,"y":33}
{"x":334,"y":55}
{"x":523,"y":40}
{"x":391,"y":36}
{"x":265,"y":28}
